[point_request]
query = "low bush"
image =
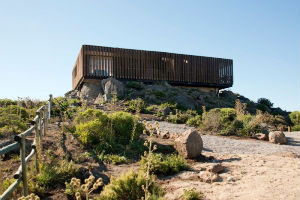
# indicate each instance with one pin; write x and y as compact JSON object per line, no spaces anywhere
{"x":113,"y":133}
{"x":65,"y":108}
{"x":129,"y":186}
{"x":265,"y":101}
{"x":192,"y":194}
{"x":126,"y":126}
{"x":112,"y":158}
{"x":165,"y":164}
{"x":7,"y":102}
{"x":135,"y":85}
{"x":56,"y":172}
{"x":194,"y":121}
{"x":136,"y":105}
{"x":295,"y":119}
{"x":12,"y":120}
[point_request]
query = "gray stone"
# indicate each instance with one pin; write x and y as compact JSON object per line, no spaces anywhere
{"x":189,"y":144}
{"x":90,"y":90}
{"x":112,"y":87}
{"x":277,"y":137}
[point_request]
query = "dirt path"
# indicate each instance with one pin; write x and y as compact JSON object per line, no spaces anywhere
{"x":254,"y":169}
{"x":227,"y":145}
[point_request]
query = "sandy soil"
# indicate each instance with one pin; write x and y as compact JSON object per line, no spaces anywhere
{"x":246,"y":177}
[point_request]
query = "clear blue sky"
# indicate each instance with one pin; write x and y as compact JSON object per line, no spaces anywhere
{"x":40,"y":40}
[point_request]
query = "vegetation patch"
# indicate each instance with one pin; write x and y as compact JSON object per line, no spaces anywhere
{"x":164,"y":164}
{"x":129,"y":186}
{"x":192,"y":194}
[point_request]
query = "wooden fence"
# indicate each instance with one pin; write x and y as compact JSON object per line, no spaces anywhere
{"x":97,"y":62}
{"x":39,"y":126}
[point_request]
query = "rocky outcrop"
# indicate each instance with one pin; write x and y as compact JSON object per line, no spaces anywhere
{"x":111,"y":87}
{"x":91,"y":90}
{"x":277,"y":137}
{"x":189,"y":144}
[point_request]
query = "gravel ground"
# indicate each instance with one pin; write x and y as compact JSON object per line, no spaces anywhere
{"x":223,"y":144}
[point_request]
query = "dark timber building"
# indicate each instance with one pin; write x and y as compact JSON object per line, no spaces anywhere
{"x":96,"y":62}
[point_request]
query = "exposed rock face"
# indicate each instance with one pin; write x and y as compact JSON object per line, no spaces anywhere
{"x":277,"y":137}
{"x":189,"y":144}
{"x":208,"y":177}
{"x":73,"y":94}
{"x":111,"y":87}
{"x":90,"y":90}
{"x":185,"y":100}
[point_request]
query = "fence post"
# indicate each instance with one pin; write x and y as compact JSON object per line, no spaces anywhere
{"x":49,"y":106}
{"x":39,"y":131}
{"x":23,"y":165}
{"x":45,"y":120}
{"x":37,"y":148}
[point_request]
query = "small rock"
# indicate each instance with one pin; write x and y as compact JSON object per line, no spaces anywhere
{"x":165,"y":135}
{"x":230,"y":179}
{"x":261,"y":136}
{"x":277,"y":137}
{"x":208,"y":177}
{"x":216,"y":168}
{"x":189,"y":144}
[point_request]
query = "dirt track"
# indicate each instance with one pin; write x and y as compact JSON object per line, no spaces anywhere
{"x":229,"y":145}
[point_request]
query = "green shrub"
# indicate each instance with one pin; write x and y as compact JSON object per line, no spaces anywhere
{"x":94,"y":132}
{"x":90,"y":115}
{"x":150,"y":109}
{"x":112,"y":158}
{"x":125,"y":126}
{"x":65,"y":107}
{"x":295,"y":118}
{"x":136,"y":105}
{"x":165,"y":164}
{"x":129,"y":186}
{"x":194,"y":121}
{"x":56,"y":172}
{"x":296,"y":128}
{"x":192,"y":194}
{"x":7,"y":102}
{"x":109,"y":133}
{"x":158,"y":94}
{"x":135,"y":85}
{"x":265,"y":101}
{"x":171,"y":105}
{"x":12,"y":120}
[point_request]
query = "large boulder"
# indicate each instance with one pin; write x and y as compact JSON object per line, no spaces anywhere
{"x":111,"y":87}
{"x":277,"y":137}
{"x":189,"y":144}
{"x":90,"y":90}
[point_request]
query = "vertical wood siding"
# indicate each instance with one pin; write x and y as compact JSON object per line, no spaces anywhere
{"x":96,"y":62}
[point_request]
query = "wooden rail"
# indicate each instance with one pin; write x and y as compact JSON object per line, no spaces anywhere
{"x":39,"y":126}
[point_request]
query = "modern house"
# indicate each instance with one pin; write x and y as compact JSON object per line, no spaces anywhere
{"x":95,"y":63}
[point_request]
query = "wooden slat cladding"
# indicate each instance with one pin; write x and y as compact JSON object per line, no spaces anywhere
{"x":96,"y":62}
